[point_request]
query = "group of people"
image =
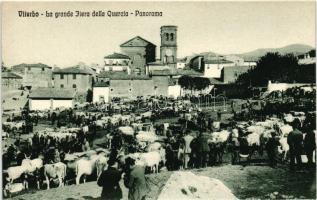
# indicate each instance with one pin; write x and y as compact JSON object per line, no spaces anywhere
{"x":133,"y":178}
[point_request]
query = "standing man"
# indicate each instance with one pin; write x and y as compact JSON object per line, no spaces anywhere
{"x":310,"y":147}
{"x":136,"y":181}
{"x":295,"y":141}
{"x":109,"y":181}
{"x":203,"y":149}
{"x":187,"y":150}
{"x":272,"y":149}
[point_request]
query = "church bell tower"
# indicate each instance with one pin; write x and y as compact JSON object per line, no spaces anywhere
{"x":169,"y":44}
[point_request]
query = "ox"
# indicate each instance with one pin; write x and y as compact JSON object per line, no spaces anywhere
{"x":56,"y":170}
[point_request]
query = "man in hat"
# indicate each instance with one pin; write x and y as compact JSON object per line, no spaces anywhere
{"x":109,"y":181}
{"x":295,"y":142}
{"x":136,"y":181}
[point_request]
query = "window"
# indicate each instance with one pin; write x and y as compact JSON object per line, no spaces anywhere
{"x":111,"y":89}
{"x":62,"y":76}
{"x":166,"y":36}
{"x":130,"y":90}
{"x":74,"y":76}
{"x":101,"y":80}
{"x":62,"y":86}
{"x":74,"y":86}
{"x":172,"y":36}
{"x":29,"y":68}
{"x":43,"y":69}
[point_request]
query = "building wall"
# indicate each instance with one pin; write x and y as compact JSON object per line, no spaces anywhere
{"x":214,"y":70}
{"x":131,"y":88}
{"x":174,"y":91}
{"x":158,"y":85}
{"x":83,"y":82}
{"x":161,"y":83}
{"x":231,"y":74}
{"x":35,"y":77}
{"x":140,"y":56}
{"x":46,"y":104}
{"x":283,"y":86}
{"x":58,"y":103}
{"x":99,"y":92}
{"x":35,"y":104}
{"x":11,"y":83}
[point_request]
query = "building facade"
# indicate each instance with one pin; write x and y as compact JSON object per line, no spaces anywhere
{"x":76,"y":78}
{"x":51,"y":98}
{"x":11,"y":80}
{"x":117,"y":62}
{"x":101,"y":92}
{"x":34,"y":75}
{"x":141,"y":52}
{"x":214,"y":68}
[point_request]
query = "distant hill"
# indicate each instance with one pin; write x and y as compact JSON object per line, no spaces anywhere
{"x":295,"y":49}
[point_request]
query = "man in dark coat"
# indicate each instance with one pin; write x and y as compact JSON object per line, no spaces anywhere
{"x":203,"y":149}
{"x":109,"y":181}
{"x":295,"y":141}
{"x":310,"y":146}
{"x":272,"y":149}
{"x":136,"y":182}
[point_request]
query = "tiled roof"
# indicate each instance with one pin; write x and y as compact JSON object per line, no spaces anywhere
{"x":74,"y":70}
{"x":112,"y":75}
{"x":101,"y":84}
{"x":174,"y":72}
{"x":216,"y":61}
{"x":37,"y":65}
{"x":54,"y":93}
{"x":117,"y":56}
{"x":10,"y":75}
{"x":136,"y":42}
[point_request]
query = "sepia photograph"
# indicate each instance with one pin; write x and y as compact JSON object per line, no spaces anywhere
{"x":153,"y":100}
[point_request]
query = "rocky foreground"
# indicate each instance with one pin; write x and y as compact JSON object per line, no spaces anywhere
{"x":244,"y":182}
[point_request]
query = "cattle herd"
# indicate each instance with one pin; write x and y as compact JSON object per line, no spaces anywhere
{"x":47,"y":149}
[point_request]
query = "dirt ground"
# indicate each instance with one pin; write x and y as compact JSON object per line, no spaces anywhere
{"x":254,"y":182}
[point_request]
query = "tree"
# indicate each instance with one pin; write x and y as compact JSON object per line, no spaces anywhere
{"x":274,"y":67}
{"x":89,"y":96}
{"x":193,"y":83}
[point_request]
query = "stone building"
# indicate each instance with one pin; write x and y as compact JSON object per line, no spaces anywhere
{"x":51,"y":98}
{"x":78,"y":78}
{"x":117,"y":62}
{"x":11,"y":80}
{"x":34,"y":75}
{"x":141,"y":52}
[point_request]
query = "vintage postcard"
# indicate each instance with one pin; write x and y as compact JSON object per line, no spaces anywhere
{"x":168,"y":100}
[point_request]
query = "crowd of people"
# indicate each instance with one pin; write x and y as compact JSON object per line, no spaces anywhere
{"x":188,"y":143}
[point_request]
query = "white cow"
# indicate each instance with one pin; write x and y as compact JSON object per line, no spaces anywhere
{"x":151,"y":159}
{"x":15,"y":173}
{"x":56,"y":170}
{"x":101,"y":164}
{"x":85,"y":166}
{"x":284,"y":147}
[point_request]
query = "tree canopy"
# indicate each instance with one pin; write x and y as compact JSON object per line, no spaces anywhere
{"x":193,"y":83}
{"x":274,"y":67}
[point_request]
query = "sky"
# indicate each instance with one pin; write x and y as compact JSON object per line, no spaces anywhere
{"x":221,"y":27}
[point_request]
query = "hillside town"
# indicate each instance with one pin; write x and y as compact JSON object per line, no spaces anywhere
{"x":161,"y":126}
